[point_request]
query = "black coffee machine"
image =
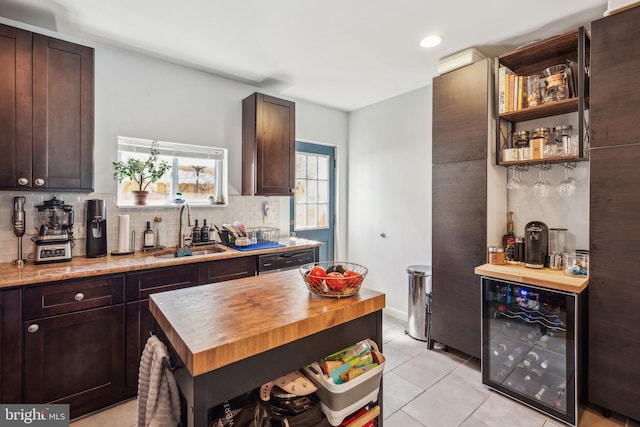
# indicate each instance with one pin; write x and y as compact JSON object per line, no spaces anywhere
{"x":536,"y":251}
{"x":96,"y":228}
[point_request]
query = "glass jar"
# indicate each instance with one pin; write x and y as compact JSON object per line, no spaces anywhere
{"x":576,"y":264}
{"x":520,"y":142}
{"x":539,"y":141}
{"x":556,"y":83}
{"x":562,"y":140}
{"x":534,"y":95}
{"x":497,"y":255}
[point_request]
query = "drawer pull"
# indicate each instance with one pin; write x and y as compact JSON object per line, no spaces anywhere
{"x":79,"y":296}
{"x":33,"y":328}
{"x":39,"y":182}
{"x":23,"y":181}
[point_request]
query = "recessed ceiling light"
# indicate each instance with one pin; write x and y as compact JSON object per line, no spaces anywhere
{"x":431,"y":41}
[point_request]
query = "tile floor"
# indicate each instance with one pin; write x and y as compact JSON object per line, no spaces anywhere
{"x":422,"y":388}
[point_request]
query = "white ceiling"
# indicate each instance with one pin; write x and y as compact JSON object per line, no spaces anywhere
{"x":345,"y":54}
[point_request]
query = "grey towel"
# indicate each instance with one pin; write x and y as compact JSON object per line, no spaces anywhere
{"x":158,"y":397}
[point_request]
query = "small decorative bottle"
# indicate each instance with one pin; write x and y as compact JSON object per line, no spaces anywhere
{"x":148,"y":236}
{"x":196,"y":234}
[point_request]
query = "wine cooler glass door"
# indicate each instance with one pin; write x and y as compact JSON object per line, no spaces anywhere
{"x":529,"y":347}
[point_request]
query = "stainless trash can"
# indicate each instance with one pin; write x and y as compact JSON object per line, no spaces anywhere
{"x":419,"y":321}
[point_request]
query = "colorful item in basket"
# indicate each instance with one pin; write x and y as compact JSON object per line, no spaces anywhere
{"x":351,"y":362}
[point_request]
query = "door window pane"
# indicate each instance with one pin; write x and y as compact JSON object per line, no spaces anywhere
{"x":312,"y":191}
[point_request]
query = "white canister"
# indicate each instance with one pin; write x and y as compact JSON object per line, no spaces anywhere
{"x":510,"y":154}
{"x":524,"y":153}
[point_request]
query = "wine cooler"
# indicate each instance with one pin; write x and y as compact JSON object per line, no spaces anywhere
{"x":532,"y":346}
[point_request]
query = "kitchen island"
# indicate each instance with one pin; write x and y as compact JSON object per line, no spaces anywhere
{"x":228,"y":338}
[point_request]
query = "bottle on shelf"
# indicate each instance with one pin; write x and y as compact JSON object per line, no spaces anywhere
{"x":204,"y":231}
{"x":509,"y":240}
{"x":531,"y":359}
{"x":196,"y":233}
{"x":543,"y":389}
{"x":500,"y":349}
{"x":148,"y":237}
{"x":515,"y":354}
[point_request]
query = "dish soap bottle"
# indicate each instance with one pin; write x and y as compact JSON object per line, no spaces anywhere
{"x":196,"y":234}
{"x":148,"y":236}
{"x":204,"y":231}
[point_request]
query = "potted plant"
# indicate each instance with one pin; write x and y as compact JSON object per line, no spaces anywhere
{"x":141,"y":173}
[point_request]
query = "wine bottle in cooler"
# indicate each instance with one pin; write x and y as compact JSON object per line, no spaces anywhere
{"x":515,"y":354}
{"x":531,"y":359}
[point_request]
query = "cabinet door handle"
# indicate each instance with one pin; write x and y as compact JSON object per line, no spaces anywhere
{"x":33,"y":328}
{"x":39,"y":182}
{"x":79,"y":296}
{"x":23,"y":181}
{"x":292,"y":190}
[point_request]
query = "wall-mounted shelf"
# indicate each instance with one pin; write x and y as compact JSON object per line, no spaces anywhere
{"x":570,"y":48}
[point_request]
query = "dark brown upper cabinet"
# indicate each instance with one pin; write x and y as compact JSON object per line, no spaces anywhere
{"x":46,"y":112}
{"x":615,"y":97}
{"x":460,"y":100}
{"x":268,"y":146}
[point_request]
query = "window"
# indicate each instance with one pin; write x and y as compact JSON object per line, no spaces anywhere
{"x":199,"y":173}
{"x":312,"y":191}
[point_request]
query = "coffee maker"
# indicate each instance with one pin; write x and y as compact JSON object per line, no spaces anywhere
{"x":55,"y":235}
{"x":96,"y":228}
{"x":536,"y":252}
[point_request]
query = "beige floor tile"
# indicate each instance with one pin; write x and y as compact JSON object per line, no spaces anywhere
{"x":428,"y":367}
{"x":407,"y":345}
{"x":401,"y":419}
{"x":397,"y":392}
{"x":447,"y":403}
{"x":123,"y":415}
{"x":500,"y":411}
{"x":392,"y":328}
{"x":393,"y":358}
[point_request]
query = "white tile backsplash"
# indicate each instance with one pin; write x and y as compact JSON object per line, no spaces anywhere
{"x":247,"y":209}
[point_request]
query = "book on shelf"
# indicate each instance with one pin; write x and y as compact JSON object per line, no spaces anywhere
{"x":503,"y":89}
{"x":501,"y":73}
{"x":512,"y":81}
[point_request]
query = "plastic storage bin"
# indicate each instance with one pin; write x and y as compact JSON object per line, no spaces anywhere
{"x":339,"y":400}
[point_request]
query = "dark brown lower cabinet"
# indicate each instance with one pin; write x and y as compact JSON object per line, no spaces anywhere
{"x":10,"y":346}
{"x":614,"y":291}
{"x":227,"y":269}
{"x":139,"y":286}
{"x":75,"y":358}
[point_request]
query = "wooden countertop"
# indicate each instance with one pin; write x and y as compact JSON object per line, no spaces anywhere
{"x":214,"y":325}
{"x":81,"y":266}
{"x":544,"y":277}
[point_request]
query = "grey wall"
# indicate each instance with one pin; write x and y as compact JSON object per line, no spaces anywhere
{"x":390,"y":191}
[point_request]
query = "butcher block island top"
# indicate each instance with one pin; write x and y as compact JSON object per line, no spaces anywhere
{"x":542,"y":277}
{"x":215,"y":325}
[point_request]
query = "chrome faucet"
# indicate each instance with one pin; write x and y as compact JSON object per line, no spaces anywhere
{"x":181,"y":237}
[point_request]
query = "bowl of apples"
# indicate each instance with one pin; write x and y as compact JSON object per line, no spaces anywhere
{"x":333,"y":279}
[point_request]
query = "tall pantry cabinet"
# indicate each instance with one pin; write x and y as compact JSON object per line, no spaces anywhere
{"x":614,"y":291}
{"x":469,"y":201}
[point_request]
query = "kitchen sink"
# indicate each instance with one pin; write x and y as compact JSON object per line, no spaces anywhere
{"x":194,"y":252}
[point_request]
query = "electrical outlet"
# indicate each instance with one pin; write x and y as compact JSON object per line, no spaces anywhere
{"x":267,"y":213}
